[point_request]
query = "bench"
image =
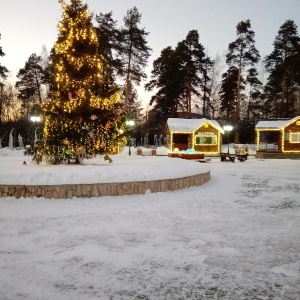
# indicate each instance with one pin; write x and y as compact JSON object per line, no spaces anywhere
{"x":227,"y":157}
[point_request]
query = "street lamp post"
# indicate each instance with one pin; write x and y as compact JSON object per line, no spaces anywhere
{"x":130,"y":124}
{"x":228,"y":128}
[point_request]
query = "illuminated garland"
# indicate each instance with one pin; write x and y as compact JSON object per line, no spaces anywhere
{"x":76,"y":117}
{"x":282,"y":132}
{"x":193,"y":137}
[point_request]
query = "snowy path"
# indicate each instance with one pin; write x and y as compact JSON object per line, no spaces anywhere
{"x":237,"y":237}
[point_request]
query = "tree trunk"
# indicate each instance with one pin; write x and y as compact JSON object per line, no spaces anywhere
{"x":190,"y":100}
{"x":283,"y":99}
{"x":38,"y":87}
{"x":238,"y":106}
{"x":128,"y":78}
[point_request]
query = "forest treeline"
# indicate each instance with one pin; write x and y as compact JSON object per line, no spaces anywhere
{"x":185,"y":81}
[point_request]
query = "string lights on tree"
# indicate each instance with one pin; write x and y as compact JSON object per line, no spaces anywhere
{"x":77,"y":114}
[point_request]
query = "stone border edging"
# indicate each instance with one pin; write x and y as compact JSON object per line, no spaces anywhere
{"x":67,"y":191}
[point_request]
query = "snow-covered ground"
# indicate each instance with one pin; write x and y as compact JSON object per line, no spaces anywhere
{"x":123,"y":168}
{"x":236,"y":237}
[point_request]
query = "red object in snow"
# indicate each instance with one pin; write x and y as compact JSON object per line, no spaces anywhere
{"x":24,"y":162}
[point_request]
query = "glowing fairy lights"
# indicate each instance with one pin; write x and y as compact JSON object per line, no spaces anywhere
{"x":207,"y":130}
{"x":288,"y":135}
{"x":76,"y":116}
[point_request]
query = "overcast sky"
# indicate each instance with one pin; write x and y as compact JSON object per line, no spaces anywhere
{"x":27,"y":25}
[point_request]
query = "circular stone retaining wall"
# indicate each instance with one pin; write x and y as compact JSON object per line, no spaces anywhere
{"x":102,"y":189}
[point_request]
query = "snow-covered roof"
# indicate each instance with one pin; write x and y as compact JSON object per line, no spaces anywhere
{"x":275,"y":124}
{"x":188,"y":125}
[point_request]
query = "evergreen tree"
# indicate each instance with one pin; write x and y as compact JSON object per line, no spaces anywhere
{"x":30,"y":81}
{"x":155,"y":121}
{"x":241,"y":54}
{"x":228,"y":93}
{"x":77,"y":117}
{"x":178,"y":75}
{"x":206,"y":85}
{"x":3,"y":70}
{"x":272,"y":99}
{"x":134,"y":51}
{"x":46,"y":65}
{"x":215,"y":76}
{"x":3,"y":75}
{"x":167,"y":80}
{"x":134,"y":104}
{"x":134,"y":112}
{"x":109,"y":39}
{"x":255,"y":94}
{"x":194,"y":67}
{"x":283,"y":64}
{"x":2,"y":105}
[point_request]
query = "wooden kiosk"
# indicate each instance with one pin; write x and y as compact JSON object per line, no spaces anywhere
{"x":278,"y":138}
{"x":193,"y":136}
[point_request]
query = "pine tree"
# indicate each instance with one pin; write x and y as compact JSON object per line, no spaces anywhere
{"x":255,"y":94}
{"x":194,"y":66}
{"x":30,"y":81}
{"x":3,"y":75}
{"x":215,"y":74}
{"x":109,"y":39}
{"x":3,"y":70}
{"x":272,"y":95}
{"x":284,"y":67}
{"x":134,"y":112}
{"x":241,"y":54}
{"x":77,"y":117}
{"x":228,"y":93}
{"x":205,"y":85}
{"x":134,"y":108}
{"x":134,"y":51}
{"x":180,"y":74}
{"x":167,"y":79}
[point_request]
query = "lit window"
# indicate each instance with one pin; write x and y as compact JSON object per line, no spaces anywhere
{"x":206,"y":140}
{"x":295,"y":137}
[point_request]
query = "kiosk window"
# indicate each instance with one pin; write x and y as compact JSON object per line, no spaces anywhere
{"x":206,"y":140}
{"x":295,"y":137}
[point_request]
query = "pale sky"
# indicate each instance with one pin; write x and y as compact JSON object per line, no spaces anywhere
{"x":27,"y":25}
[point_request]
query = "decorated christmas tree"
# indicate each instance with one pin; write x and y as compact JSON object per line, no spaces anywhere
{"x":84,"y":116}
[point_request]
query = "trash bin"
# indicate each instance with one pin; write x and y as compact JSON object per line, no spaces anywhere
{"x":139,"y":151}
{"x":153,"y":152}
